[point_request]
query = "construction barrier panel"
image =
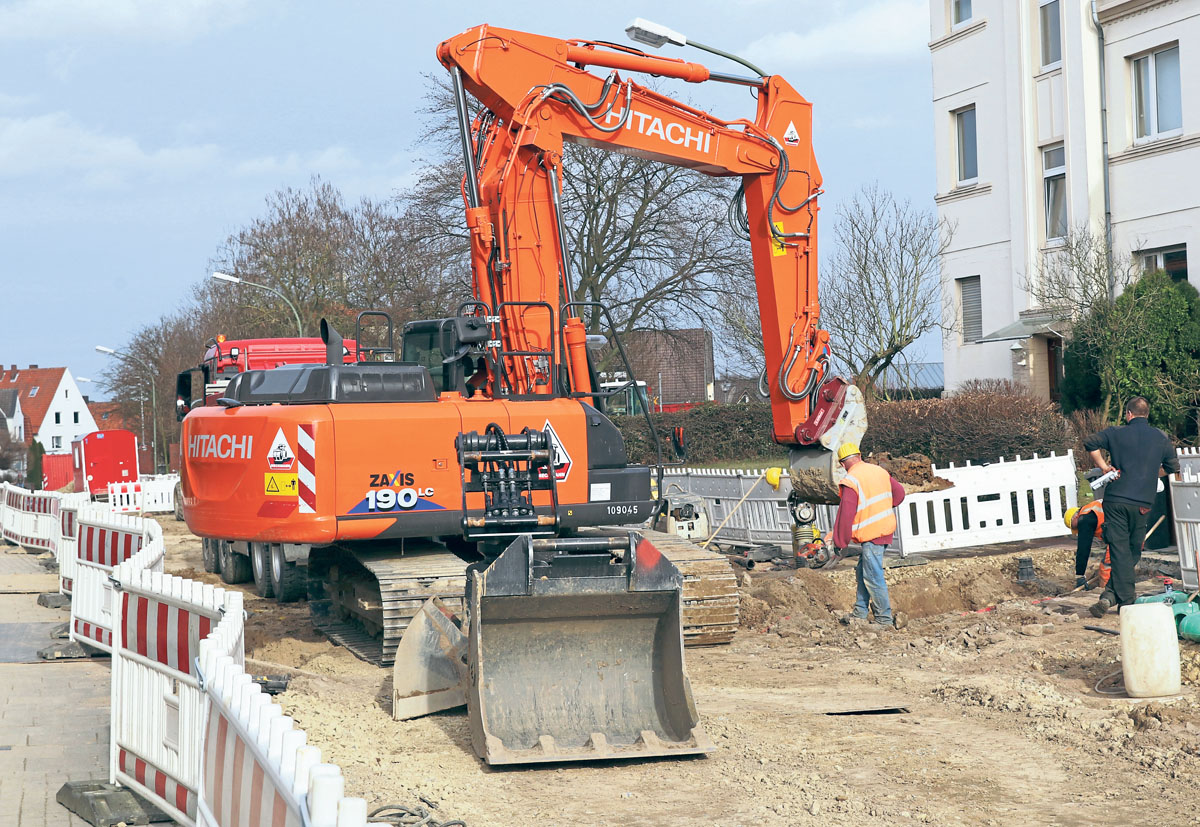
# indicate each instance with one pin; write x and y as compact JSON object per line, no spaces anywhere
{"x":105,"y":540}
{"x":158,"y":705}
{"x":1185,"y":502}
{"x":997,"y":502}
{"x":149,"y":495}
{"x":68,"y":539}
{"x":30,"y":518}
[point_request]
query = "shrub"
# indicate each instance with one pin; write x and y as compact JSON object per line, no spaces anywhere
{"x":714,"y":433}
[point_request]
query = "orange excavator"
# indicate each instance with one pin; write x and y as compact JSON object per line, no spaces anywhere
{"x":479,"y":468}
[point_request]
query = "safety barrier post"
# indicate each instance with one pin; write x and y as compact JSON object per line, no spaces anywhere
{"x":1185,"y":503}
{"x":68,"y":539}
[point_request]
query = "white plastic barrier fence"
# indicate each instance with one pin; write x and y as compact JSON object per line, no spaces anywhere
{"x":30,"y":518}
{"x":998,"y":502}
{"x":68,"y":538}
{"x":149,"y":495}
{"x":105,"y":540}
{"x":158,"y":706}
{"x":1189,"y":459}
{"x":1185,"y":502}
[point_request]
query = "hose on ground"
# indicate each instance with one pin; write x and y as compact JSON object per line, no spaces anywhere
{"x":1112,"y":691}
{"x":402,"y":816}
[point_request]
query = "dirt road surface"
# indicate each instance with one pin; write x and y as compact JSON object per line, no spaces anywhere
{"x":992,"y":715}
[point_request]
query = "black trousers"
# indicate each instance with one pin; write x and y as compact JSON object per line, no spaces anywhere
{"x":1125,"y":530}
{"x":1083,"y":550}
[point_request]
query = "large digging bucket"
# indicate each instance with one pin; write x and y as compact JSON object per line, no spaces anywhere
{"x":576,"y":653}
{"x":841,"y":416}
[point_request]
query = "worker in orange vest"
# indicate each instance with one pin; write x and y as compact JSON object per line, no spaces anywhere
{"x":865,"y":516}
{"x":1088,"y":523}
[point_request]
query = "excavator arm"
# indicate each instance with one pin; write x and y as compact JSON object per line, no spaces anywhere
{"x":537,"y":93}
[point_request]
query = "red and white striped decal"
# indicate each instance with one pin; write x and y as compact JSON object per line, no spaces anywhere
{"x":106,"y":546}
{"x":160,"y":784}
{"x":236,"y":789}
{"x":67,"y":521}
{"x":162,"y":632}
{"x":306,"y":471}
{"x":68,"y":586}
{"x":93,"y":632}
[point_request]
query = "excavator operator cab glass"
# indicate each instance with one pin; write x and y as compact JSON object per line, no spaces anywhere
{"x":449,"y":348}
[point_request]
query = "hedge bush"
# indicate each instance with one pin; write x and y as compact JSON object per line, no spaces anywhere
{"x":980,"y":424}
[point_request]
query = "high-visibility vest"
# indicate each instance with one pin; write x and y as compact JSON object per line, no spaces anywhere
{"x":1098,"y":507}
{"x":874,"y":518}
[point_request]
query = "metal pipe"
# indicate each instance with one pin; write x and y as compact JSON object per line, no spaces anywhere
{"x":464,"y":131}
{"x":1108,"y":241}
{"x":729,"y":56}
{"x":568,"y":288}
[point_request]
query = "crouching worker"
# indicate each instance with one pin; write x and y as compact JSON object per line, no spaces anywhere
{"x":865,"y":516}
{"x":1088,"y":523}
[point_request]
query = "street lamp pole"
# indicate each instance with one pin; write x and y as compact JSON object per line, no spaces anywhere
{"x":655,"y":35}
{"x":153,"y":396}
{"x":240,"y":280}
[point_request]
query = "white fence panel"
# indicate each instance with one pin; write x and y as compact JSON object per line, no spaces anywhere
{"x":1185,"y":502}
{"x":158,"y":705}
{"x":149,"y":495}
{"x":999,"y":502}
{"x":68,"y":539}
{"x":105,"y":540}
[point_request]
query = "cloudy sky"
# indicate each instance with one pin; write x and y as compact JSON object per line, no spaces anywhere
{"x":135,"y":135}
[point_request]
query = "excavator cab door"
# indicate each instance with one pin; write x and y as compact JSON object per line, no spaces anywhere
{"x":449,"y":348}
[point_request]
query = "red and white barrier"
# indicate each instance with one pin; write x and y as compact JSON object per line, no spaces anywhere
{"x":105,"y":541}
{"x":30,"y":518}
{"x":68,"y":539}
{"x":158,"y":706}
{"x":149,"y":495}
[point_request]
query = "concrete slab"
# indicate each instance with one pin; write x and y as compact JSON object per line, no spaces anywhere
{"x":20,"y":642}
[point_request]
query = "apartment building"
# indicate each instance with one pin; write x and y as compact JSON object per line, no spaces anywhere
{"x":1053,"y":115}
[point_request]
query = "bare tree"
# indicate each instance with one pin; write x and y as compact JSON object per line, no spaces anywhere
{"x":1080,"y":275}
{"x":881,"y":288}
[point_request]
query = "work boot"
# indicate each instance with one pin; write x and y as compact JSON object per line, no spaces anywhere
{"x":851,"y":619}
{"x":1100,"y":607}
{"x":883,"y":627}
{"x":899,"y":620}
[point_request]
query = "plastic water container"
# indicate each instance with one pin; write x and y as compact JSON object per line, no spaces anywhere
{"x":1149,"y":650}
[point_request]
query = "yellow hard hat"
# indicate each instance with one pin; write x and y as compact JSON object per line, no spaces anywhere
{"x":773,"y":476}
{"x":848,"y":449}
{"x":1070,"y":515}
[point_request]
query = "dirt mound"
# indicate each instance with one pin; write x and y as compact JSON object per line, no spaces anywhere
{"x":913,"y":471}
{"x":808,"y":594}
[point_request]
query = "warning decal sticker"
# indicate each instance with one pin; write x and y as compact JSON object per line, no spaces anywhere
{"x":281,"y":457}
{"x":791,"y":136}
{"x":279,"y":485}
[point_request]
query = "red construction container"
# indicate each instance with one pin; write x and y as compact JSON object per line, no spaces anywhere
{"x":57,"y":471}
{"x":102,"y":457}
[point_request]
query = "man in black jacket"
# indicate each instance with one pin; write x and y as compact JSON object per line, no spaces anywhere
{"x":1141,"y":454}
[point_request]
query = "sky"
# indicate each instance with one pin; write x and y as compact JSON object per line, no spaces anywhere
{"x":136,"y":135}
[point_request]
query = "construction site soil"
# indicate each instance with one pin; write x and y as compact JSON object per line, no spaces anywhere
{"x":983,"y":710}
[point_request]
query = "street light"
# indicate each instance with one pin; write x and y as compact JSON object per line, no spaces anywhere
{"x":240,"y":280}
{"x":657,"y":35}
{"x":153,"y":398}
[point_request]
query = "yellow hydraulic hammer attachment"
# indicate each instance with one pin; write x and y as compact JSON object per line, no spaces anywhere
{"x":575,"y":652}
{"x":814,"y":469}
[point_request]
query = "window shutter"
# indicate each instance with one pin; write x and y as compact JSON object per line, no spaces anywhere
{"x":972,"y":309}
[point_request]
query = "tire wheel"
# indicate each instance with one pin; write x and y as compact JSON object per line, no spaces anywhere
{"x":211,"y":554}
{"x":289,"y":580}
{"x":235,"y":568}
{"x":260,"y":562}
{"x":179,"y":502}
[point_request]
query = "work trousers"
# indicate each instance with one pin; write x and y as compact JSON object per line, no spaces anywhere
{"x":1125,"y":531}
{"x":872,"y":588}
{"x":1083,"y":549}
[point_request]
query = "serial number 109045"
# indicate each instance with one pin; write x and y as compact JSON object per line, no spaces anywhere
{"x":623,"y":510}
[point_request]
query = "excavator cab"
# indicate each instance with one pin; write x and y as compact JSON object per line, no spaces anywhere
{"x":452,"y":350}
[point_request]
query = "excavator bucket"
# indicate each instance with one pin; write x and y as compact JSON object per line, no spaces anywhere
{"x":814,"y":469}
{"x":576,"y":653}
{"x":430,"y":670}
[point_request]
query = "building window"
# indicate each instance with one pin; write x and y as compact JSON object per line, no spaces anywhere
{"x":971,"y":305}
{"x":57,"y":418}
{"x":1054,"y":171}
{"x":76,"y":417}
{"x":968,"y":148}
{"x":1157,"y":110}
{"x":960,"y":11}
{"x":1051,"y":34}
{"x":1171,"y":260}
{"x":56,"y":442}
{"x":33,"y":391}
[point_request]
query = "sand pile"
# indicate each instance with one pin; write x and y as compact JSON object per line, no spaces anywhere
{"x":913,"y":471}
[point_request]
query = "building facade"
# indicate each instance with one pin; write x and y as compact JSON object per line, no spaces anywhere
{"x":55,"y":412}
{"x":1055,"y":118}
